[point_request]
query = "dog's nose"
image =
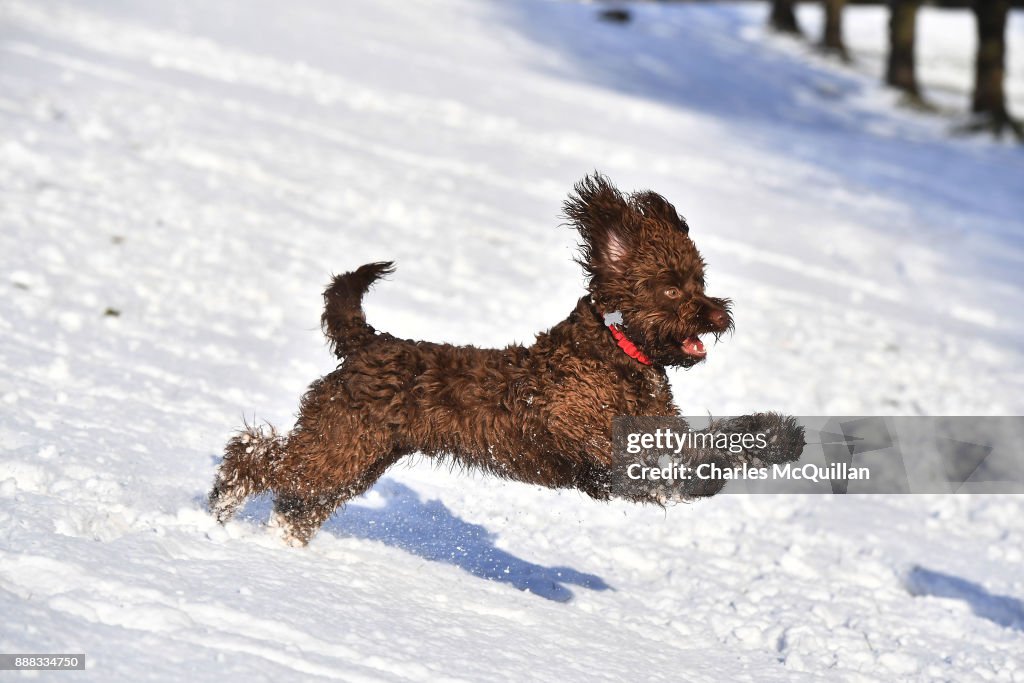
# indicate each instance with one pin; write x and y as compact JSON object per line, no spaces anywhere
{"x":718,"y":318}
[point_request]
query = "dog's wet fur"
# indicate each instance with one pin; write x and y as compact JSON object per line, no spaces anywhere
{"x":540,"y":414}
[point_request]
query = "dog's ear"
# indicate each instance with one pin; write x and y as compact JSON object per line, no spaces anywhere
{"x":600,"y":213}
{"x":655,"y":207}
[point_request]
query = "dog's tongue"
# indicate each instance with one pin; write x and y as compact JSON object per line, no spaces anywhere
{"x":694,"y":347}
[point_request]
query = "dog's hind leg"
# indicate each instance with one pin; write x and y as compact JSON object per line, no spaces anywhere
{"x":298,"y":516}
{"x":299,"y":512}
{"x":250,"y":460}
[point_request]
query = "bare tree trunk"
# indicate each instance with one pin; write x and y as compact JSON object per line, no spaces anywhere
{"x":989,"y":100}
{"x":832,"y":38}
{"x":783,"y":18}
{"x":900,"y":72}
{"x":988,"y":64}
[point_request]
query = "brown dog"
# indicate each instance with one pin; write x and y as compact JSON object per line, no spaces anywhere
{"x":540,"y":414}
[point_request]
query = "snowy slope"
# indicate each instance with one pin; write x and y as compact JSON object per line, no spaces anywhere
{"x":200,"y":168}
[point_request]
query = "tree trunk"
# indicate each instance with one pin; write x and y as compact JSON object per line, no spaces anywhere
{"x":832,"y":38}
{"x":783,"y":18}
{"x":989,"y":68}
{"x":902,"y":24}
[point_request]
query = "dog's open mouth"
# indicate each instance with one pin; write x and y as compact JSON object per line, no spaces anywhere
{"x":692,"y":346}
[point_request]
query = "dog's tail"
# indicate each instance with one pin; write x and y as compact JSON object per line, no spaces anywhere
{"x":343,"y":321}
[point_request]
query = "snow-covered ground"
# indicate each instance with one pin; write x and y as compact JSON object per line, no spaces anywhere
{"x":200,"y":168}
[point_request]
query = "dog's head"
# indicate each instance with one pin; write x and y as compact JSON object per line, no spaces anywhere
{"x":641,"y":262}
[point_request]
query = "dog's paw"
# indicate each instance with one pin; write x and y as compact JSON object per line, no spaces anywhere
{"x":782,"y":438}
{"x":280,"y":527}
{"x":224,"y":501}
{"x":693,"y":485}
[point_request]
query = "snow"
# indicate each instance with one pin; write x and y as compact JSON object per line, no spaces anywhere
{"x":179,"y":180}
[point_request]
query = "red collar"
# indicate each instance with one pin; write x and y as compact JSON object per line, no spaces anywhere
{"x":627,"y":346}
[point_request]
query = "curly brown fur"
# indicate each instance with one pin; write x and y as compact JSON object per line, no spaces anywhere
{"x":540,"y":414}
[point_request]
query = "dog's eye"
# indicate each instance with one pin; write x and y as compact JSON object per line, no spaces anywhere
{"x":673,"y":293}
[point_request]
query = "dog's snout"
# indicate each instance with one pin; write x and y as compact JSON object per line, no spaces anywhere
{"x":718,"y":318}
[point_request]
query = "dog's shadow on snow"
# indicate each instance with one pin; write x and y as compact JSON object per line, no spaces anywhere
{"x":1006,"y":611}
{"x":430,"y":530}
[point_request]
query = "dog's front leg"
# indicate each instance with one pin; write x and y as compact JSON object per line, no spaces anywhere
{"x":654,"y":477}
{"x":783,"y":438}
{"x":695,"y":467}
